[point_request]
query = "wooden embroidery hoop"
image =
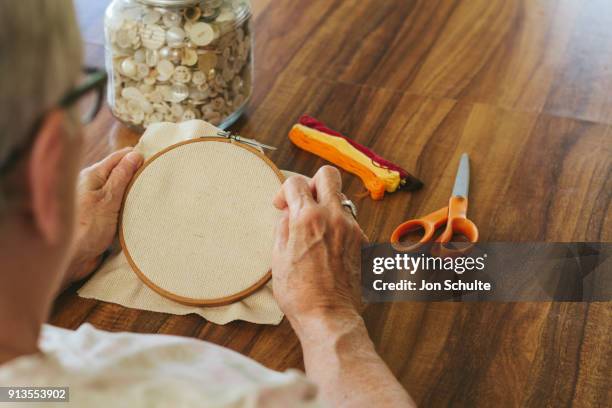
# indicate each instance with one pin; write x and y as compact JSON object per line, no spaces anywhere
{"x":142,"y":276}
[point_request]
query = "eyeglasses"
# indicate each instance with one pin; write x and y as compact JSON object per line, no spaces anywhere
{"x":87,"y":95}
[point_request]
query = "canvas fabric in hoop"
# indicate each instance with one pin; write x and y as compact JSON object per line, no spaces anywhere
{"x":197,"y":224}
{"x":115,"y":281}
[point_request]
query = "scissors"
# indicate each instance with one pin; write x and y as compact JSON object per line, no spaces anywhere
{"x":453,"y":216}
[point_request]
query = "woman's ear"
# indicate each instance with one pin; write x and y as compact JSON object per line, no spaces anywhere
{"x":45,"y":172}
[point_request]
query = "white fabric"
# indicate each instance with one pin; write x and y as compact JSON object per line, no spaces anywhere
{"x":116,"y":370}
{"x":115,"y":281}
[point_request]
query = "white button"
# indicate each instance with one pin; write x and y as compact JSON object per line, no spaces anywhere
{"x":128,"y":67}
{"x":162,"y":108}
{"x":142,"y":71}
{"x":179,"y":92}
{"x":151,"y":17}
{"x":122,"y":38}
{"x":190,"y":57}
{"x":198,"y":78}
{"x":182,"y":74}
{"x":176,"y":110}
{"x":164,"y":70}
{"x":172,"y":54}
{"x":165,"y":53}
{"x":171,"y":19}
{"x":156,"y":117}
{"x":132,"y":93}
{"x":188,"y":115}
{"x":146,"y":106}
{"x":145,"y":89}
{"x":175,"y":36}
{"x":201,"y":34}
{"x":166,"y":93}
{"x":139,"y":55}
{"x":226,"y":15}
{"x":151,"y":57}
{"x":135,"y":111}
{"x":153,"y":36}
{"x":197,"y":96}
{"x":156,"y":96}
{"x":150,"y":80}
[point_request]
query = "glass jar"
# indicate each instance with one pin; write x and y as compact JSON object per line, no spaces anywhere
{"x":177,"y":60}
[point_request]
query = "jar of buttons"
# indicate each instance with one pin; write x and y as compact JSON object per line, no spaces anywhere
{"x":176,"y":60}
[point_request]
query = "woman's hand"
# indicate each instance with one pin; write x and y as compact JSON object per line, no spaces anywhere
{"x":316,"y":258}
{"x":99,"y":194}
{"x":315,"y":277}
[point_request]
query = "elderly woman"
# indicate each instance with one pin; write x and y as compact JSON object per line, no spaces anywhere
{"x":55,"y":224}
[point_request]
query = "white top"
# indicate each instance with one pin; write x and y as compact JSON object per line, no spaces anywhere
{"x":150,"y":370}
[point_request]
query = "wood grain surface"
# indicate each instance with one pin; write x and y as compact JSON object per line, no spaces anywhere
{"x":523,"y":86}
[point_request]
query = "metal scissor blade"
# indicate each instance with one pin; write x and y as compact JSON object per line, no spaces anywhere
{"x":462,"y":181}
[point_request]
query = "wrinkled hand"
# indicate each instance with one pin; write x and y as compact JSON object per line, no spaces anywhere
{"x":99,"y":194}
{"x":316,"y":257}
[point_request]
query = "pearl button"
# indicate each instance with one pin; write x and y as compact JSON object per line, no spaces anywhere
{"x":128,"y":67}
{"x":201,"y":34}
{"x":164,"y":70}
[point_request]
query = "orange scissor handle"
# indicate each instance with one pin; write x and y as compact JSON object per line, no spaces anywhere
{"x":429,"y":223}
{"x":457,"y":222}
{"x":454,"y":216}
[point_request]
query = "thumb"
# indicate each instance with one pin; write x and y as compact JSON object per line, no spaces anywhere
{"x":122,"y":174}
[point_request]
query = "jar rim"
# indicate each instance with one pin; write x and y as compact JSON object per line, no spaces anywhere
{"x":169,"y":3}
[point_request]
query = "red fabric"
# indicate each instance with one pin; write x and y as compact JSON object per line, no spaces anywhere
{"x":312,"y":123}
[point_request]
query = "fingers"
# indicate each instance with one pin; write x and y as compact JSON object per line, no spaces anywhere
{"x":97,"y":174}
{"x":328,"y":185}
{"x":121,"y":175}
{"x":325,"y":188}
{"x":281,"y":233}
{"x":294,"y":194}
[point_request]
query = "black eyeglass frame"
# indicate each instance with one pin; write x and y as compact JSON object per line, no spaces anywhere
{"x":95,"y":81}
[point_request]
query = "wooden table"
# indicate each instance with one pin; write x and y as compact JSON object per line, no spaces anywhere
{"x":524,"y":86}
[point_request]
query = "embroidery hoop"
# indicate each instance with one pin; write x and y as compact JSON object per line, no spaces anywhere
{"x":193,"y":301}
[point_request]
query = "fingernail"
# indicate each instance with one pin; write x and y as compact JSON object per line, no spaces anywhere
{"x":134,"y":157}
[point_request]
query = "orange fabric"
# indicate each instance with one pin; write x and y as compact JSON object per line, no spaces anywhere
{"x":375,"y":186}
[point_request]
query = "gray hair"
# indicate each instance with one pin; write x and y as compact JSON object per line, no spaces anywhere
{"x":40,"y":60}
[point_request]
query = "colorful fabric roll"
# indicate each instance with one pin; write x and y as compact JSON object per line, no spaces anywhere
{"x":378,"y":175}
